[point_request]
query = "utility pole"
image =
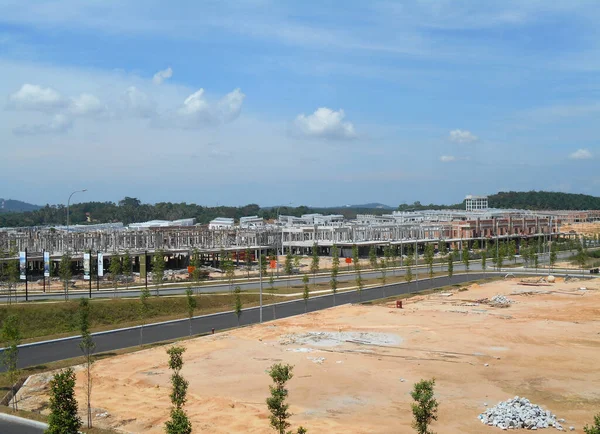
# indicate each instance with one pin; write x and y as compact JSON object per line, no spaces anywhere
{"x":68,"y":204}
{"x":261,"y":283}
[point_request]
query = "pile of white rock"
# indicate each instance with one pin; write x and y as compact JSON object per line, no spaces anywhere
{"x":500,"y":299}
{"x":520,"y":413}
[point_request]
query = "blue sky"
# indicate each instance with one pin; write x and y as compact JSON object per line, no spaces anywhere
{"x":315,"y":103}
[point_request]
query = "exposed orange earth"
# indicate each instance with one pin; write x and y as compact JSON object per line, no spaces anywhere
{"x":357,"y":378}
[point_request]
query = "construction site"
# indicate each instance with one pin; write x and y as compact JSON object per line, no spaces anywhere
{"x":355,"y":365}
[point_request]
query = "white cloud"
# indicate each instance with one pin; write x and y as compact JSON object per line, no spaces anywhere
{"x":462,"y":136}
{"x":325,"y":123}
{"x":59,"y":124}
{"x":86,"y":105}
{"x":138,"y":103}
{"x":447,"y":158}
{"x":197,"y":110}
{"x":36,"y":98}
{"x":581,"y":154}
{"x":163,"y":75}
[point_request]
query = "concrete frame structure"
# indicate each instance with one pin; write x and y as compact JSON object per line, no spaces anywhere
{"x":476,"y":203}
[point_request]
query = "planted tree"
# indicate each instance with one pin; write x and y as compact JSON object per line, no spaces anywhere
{"x":553,"y":255}
{"x":502,"y":255}
{"x":297,"y":261}
{"x":264,"y":263}
{"x":276,"y":403}
{"x":373,"y":257}
{"x":387,"y":255}
{"x":314,"y":264}
{"x":64,"y":272}
{"x":237,"y":308}
{"x":272,"y":292}
{"x":115,"y":270}
{"x":383,"y":271}
{"x":11,"y":272}
{"x":581,"y":257}
{"x":158,"y":269}
{"x":306,"y":291}
{"x":179,"y":422}
{"x":483,"y":260}
{"x":63,"y":418}
{"x":475,"y":245}
{"x":358,"y":277}
{"x":465,"y":257}
{"x":87,"y":346}
{"x":191,"y":305}
{"x":512,"y":251}
{"x":144,"y":311}
{"x":450,"y":266}
{"x":595,"y":428}
{"x":425,"y":407}
{"x":11,"y":338}
{"x":288,"y":266}
{"x":335,"y":268}
{"x":127,"y":268}
{"x":429,"y":258}
{"x":229,"y":269}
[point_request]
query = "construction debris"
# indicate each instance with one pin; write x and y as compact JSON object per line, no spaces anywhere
{"x":500,"y":300}
{"x":520,"y":413}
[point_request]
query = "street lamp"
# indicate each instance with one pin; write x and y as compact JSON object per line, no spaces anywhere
{"x":68,"y":204}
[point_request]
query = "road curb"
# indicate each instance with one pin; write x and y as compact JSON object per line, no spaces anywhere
{"x":22,"y":421}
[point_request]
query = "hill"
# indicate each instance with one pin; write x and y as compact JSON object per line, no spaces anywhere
{"x":10,"y":205}
{"x":543,"y":200}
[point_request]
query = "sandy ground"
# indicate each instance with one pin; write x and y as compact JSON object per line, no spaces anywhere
{"x":587,"y":229}
{"x":357,"y":379}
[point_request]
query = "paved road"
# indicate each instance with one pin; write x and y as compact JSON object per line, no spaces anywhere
{"x":45,"y":352}
{"x":15,"y":426}
{"x":254,"y":285}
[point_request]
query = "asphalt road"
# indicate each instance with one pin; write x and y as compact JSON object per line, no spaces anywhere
{"x":254,"y":285}
{"x":14,"y":426}
{"x":37,"y":354}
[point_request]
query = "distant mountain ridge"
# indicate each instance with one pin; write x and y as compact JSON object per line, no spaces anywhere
{"x":11,"y":205}
{"x":372,"y":205}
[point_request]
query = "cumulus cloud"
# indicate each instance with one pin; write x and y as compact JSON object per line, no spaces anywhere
{"x":447,"y":158}
{"x":59,"y":124}
{"x":197,"y":110}
{"x":138,"y":103}
{"x":163,"y":75}
{"x":581,"y":154}
{"x":325,"y":123}
{"x":462,"y":136}
{"x":86,"y":105}
{"x":36,"y":98}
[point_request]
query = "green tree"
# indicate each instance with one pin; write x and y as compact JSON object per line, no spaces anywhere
{"x":229,"y":269}
{"x":179,"y":422}
{"x":536,"y":261}
{"x":11,"y":338}
{"x":383,"y":271}
{"x":248,"y":261}
{"x":475,"y":245}
{"x":288,"y":266}
{"x":272,"y":292}
{"x":511,"y":251}
{"x":387,"y":255}
{"x":501,"y":255}
{"x":429,"y":258}
{"x":553,"y":249}
{"x":64,"y":271}
{"x":144,"y":311}
{"x":126,"y":268}
{"x":196,"y":263}
{"x":465,"y":257}
{"x":314,"y":264}
{"x":10,"y":271}
{"x":526,"y":254}
{"x":115,"y":269}
{"x":450,"y":266}
{"x":595,"y":428}
{"x":425,"y":407}
{"x":297,"y":262}
{"x":264,"y":263}
{"x":483,"y":260}
{"x":306,"y":292}
{"x":358,"y":278}
{"x":443,"y":248}
{"x":158,"y":269}
{"x":581,"y":257}
{"x":237,"y":308}
{"x":191,"y":305}
{"x":335,"y":268}
{"x":373,"y":257}
{"x":276,"y":402}
{"x":87,"y":346}
{"x":63,"y":418}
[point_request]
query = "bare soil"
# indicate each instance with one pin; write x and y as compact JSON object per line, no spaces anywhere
{"x":355,"y":366}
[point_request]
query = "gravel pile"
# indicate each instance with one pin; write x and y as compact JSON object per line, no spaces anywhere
{"x":520,"y":413}
{"x":500,"y":299}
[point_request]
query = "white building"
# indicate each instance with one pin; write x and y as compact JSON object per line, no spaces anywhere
{"x":476,"y":203}
{"x":221,"y":223}
{"x":251,"y":222}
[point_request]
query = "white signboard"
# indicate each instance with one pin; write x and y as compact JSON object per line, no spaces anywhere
{"x":86,"y":266}
{"x":46,"y":264}
{"x":100,"y":264}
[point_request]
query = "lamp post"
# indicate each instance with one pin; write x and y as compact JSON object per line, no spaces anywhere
{"x":68,"y":204}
